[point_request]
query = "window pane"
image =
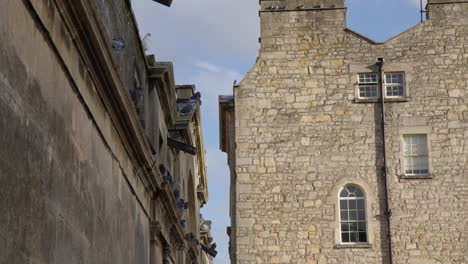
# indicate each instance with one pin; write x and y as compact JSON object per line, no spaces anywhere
{"x":344,"y":227}
{"x":353,"y":227}
{"x":351,"y":189}
{"x":343,"y":205}
{"x":395,"y":90}
{"x":353,"y":237}
{"x":368,"y":91}
{"x":352,"y":215}
{"x":362,"y":237}
{"x":345,"y":237}
{"x":344,"y":215}
{"x":362,"y":226}
{"x":352,"y":204}
{"x":359,"y":193}
{"x":368,"y":78}
{"x":394,"y":78}
{"x":360,"y":204}
{"x":344,"y":193}
{"x":361,"y":215}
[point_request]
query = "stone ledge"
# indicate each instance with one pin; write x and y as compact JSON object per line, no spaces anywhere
{"x":416,"y":177}
{"x":378,"y":100}
{"x":363,"y":245}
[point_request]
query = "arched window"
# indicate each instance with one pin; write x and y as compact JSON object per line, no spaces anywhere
{"x":353,"y":224}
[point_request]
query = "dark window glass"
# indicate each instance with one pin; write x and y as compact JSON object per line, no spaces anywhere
{"x":345,"y":227}
{"x":361,"y":215}
{"x":344,"y":215}
{"x":362,"y":237}
{"x":345,"y":237}
{"x":360,"y":204}
{"x":352,"y":215}
{"x":344,"y":193}
{"x":352,"y":204}
{"x":362,"y":226}
{"x":353,"y":237}
{"x":359,"y":193}
{"x":343,"y":205}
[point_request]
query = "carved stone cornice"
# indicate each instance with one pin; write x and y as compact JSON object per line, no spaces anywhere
{"x":163,"y":74}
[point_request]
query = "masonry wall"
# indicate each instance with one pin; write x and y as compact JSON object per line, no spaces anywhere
{"x":301,"y":136}
{"x":69,"y":192}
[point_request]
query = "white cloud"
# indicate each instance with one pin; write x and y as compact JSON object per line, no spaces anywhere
{"x":208,"y":66}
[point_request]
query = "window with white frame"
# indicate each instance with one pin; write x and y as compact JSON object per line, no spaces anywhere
{"x":368,"y":85}
{"x":395,"y":84}
{"x":353,"y":224}
{"x":415,"y":154}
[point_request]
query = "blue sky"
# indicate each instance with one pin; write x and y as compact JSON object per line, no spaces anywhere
{"x":214,"y":42}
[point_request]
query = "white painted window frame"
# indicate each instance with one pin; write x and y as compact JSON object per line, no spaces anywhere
{"x":341,"y":221}
{"x":368,"y":84}
{"x":426,"y":155}
{"x":403,"y":84}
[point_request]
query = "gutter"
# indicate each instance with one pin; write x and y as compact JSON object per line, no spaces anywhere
{"x":388,"y":213}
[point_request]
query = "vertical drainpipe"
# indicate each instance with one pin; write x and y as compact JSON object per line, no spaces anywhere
{"x":388,"y":213}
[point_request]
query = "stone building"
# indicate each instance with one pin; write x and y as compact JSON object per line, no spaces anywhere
{"x":101,"y":154}
{"x":324,"y":169}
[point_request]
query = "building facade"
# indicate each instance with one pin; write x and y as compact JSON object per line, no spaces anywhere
{"x":101,"y":154}
{"x":347,"y":150}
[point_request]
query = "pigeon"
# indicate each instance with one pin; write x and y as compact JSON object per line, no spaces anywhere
{"x":146,"y":42}
{"x":118,"y":44}
{"x":189,"y":107}
{"x":300,"y":7}
{"x":163,"y":169}
{"x":282,"y":7}
{"x":181,"y":203}
{"x":190,"y":236}
{"x":176,"y":193}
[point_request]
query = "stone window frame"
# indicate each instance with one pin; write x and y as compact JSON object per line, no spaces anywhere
{"x":415,"y":130}
{"x":389,"y":67}
{"x":371,"y":202}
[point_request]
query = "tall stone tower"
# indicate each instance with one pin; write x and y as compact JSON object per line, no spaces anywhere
{"x":347,"y":150}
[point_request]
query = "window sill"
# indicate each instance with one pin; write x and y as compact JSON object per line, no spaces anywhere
{"x":377,"y":100}
{"x":417,"y":177}
{"x":363,"y":245}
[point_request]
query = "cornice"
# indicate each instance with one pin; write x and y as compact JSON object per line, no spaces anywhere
{"x":163,"y":74}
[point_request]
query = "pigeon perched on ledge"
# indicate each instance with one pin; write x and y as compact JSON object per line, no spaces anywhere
{"x":146,"y":42}
{"x":188,"y":108}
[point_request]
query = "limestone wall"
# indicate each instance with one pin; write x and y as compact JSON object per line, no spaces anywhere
{"x":301,"y":136}
{"x":68,"y":190}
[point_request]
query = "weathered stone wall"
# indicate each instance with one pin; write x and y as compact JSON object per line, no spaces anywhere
{"x":69,"y":193}
{"x":301,"y":136}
